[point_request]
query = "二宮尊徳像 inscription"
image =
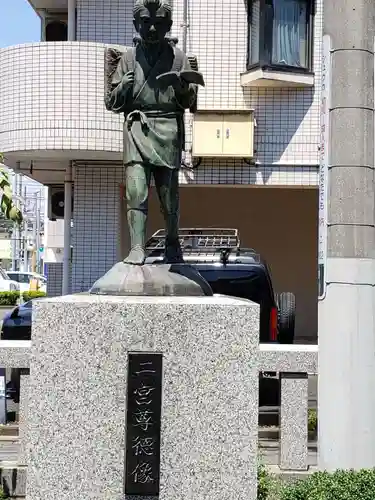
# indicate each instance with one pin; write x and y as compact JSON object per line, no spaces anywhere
{"x":143,"y":424}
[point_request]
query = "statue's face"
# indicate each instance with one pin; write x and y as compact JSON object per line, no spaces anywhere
{"x":153,"y":24}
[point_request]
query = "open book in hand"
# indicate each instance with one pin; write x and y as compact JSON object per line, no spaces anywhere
{"x":174,"y":78}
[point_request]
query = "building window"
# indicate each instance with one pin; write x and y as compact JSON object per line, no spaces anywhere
{"x":280,"y":34}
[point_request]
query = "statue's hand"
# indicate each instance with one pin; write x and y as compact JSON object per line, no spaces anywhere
{"x":128,"y":78}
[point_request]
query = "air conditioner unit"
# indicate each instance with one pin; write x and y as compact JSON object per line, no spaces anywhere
{"x":56,"y":202}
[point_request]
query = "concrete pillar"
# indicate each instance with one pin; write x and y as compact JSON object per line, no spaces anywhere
{"x":67,"y":229}
{"x":71,"y":20}
{"x":346,"y":395}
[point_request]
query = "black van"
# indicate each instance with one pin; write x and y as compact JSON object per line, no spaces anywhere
{"x":232,"y":270}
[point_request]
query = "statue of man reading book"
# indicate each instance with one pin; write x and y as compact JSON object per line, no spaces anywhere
{"x":153,"y":84}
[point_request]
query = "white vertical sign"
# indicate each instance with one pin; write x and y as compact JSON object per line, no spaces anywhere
{"x":3,"y":401}
{"x":325,"y":105}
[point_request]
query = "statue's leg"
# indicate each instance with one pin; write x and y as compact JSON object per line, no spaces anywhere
{"x":137,"y":185}
{"x":166,"y":183}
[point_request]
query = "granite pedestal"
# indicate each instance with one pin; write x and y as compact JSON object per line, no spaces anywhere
{"x":77,"y":395}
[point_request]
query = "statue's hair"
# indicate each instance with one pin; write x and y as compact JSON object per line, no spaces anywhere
{"x":140,"y":4}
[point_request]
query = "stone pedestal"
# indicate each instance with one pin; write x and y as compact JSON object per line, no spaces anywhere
{"x":78,"y":386}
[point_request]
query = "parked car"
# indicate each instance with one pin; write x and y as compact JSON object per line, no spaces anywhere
{"x":229,"y":270}
{"x":17,"y":323}
{"x":24,"y":278}
{"x":232,"y":270}
{"x":6,"y":283}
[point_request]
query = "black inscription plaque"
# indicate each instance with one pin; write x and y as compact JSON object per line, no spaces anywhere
{"x":142,"y":475}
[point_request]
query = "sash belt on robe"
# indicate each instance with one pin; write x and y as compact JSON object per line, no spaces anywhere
{"x":154,"y":137}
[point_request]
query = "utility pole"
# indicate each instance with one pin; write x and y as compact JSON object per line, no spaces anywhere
{"x":15,"y":228}
{"x":18,"y":229}
{"x":346,"y":381}
{"x":35,"y":261}
{"x":23,"y":236}
{"x":38,"y":228}
{"x":34,"y":254}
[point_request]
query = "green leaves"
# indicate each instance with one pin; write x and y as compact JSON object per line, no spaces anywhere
{"x":7,"y":205}
{"x":339,"y":485}
{"x":33,"y":294}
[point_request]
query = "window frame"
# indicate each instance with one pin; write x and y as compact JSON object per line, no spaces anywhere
{"x":266,"y":36}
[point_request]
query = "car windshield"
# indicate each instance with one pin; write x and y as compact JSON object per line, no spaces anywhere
{"x":27,"y":304}
{"x":20,"y":277}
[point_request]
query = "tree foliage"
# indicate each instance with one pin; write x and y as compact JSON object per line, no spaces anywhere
{"x":7,"y":206}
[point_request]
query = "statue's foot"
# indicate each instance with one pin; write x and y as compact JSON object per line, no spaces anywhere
{"x":173,"y":253}
{"x":136,"y":256}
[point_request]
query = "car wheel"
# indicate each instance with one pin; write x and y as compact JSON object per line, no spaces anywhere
{"x":286,"y":317}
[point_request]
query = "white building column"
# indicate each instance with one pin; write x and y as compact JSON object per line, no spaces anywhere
{"x":72,"y":20}
{"x":67,"y":229}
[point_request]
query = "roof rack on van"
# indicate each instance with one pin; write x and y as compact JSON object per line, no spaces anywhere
{"x":198,"y":238}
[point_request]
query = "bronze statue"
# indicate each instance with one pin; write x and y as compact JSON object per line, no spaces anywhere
{"x":153,"y":84}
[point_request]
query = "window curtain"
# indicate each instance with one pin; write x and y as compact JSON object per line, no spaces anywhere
{"x":289,"y":40}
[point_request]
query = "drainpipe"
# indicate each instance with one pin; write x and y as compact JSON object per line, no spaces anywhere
{"x":67,"y":228}
{"x":185,"y":24}
{"x":185,"y":160}
{"x":71,"y":20}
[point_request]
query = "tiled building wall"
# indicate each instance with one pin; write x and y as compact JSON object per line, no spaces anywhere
{"x":105,"y":21}
{"x":51,"y":98}
{"x":51,"y":94}
{"x":287,"y":120}
{"x":287,"y":131}
{"x":96,"y":222}
{"x":286,"y":138}
{"x":54,"y":279}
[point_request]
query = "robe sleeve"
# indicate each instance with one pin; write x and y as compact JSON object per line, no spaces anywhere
{"x":121,"y":90}
{"x":186,"y":97}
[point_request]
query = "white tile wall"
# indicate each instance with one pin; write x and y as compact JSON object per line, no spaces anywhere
{"x":54,"y":279}
{"x":96,"y":222}
{"x":287,"y":130}
{"x":286,"y":138}
{"x":51,"y":94}
{"x":106,"y":21}
{"x":51,"y":98}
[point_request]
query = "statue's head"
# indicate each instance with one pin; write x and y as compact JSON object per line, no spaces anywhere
{"x":152,"y":19}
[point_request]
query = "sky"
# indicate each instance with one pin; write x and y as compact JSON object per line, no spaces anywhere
{"x":19,"y":23}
